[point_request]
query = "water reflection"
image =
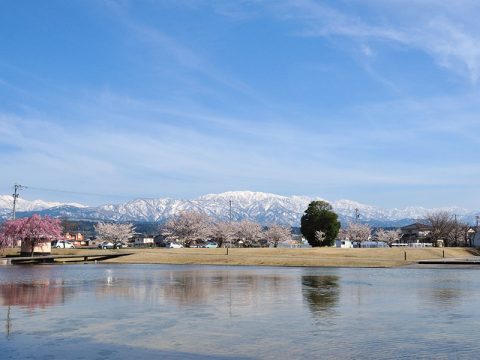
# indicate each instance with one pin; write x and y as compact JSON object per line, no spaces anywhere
{"x":187,"y":288}
{"x":204,"y":312}
{"x":321,"y":292}
{"x":31,"y":295}
{"x":446,"y":292}
{"x":34,"y":294}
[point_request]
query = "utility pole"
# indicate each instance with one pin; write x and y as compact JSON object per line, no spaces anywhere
{"x":357,"y":215}
{"x":16,"y":188}
{"x":230,"y":217}
{"x":456,"y":229}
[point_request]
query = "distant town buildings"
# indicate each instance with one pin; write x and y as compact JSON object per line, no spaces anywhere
{"x":76,"y":239}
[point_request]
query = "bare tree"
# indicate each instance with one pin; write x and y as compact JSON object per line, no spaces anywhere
{"x":459,"y":234}
{"x":358,"y":232}
{"x":442,"y":224}
{"x":187,"y":227}
{"x":276,"y":234}
{"x":248,"y":232}
{"x":388,"y":236}
{"x":115,"y":233}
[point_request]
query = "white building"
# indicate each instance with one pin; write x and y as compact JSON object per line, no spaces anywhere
{"x":344,"y":244}
{"x":143,"y":241}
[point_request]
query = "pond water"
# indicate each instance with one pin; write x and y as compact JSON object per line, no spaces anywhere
{"x":199,"y":312}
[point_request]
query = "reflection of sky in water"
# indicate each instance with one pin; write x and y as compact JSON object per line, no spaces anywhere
{"x":153,"y":311}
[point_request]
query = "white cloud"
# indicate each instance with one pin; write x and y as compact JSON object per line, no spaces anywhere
{"x":441,"y":30}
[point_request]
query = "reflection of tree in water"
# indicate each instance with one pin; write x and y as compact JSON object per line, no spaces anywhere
{"x":446,"y":295}
{"x":186,"y":288}
{"x":32,"y":295}
{"x":320,"y":292}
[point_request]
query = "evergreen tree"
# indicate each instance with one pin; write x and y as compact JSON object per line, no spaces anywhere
{"x":320,"y":216}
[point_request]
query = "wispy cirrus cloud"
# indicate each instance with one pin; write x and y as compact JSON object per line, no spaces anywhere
{"x":447,"y":31}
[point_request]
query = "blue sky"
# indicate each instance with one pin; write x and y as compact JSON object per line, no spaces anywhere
{"x":373,"y":101}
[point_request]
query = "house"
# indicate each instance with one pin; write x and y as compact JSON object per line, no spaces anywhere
{"x":415,"y":233}
{"x":77,"y":239}
{"x":42,"y":248}
{"x":143,"y":241}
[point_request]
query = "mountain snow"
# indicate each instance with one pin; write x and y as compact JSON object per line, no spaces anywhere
{"x":6,"y":202}
{"x":265,"y":208}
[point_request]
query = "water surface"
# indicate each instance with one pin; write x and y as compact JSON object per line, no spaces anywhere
{"x":199,"y":312}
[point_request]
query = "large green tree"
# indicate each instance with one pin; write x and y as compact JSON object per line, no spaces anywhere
{"x":320,"y":216}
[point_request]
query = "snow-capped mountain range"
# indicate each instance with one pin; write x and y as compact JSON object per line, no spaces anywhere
{"x":6,"y":202}
{"x":262,"y":207}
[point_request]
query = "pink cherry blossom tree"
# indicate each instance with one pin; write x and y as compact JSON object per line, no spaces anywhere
{"x":32,"y":232}
{"x":388,"y":236}
{"x":4,"y":240}
{"x":276,"y":234}
{"x":248,"y":233}
{"x":187,"y":227}
{"x":115,"y":233}
{"x":223,"y":233}
{"x":358,"y":232}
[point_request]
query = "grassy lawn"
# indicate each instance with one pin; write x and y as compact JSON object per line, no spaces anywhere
{"x":289,"y":257}
{"x":388,"y":257}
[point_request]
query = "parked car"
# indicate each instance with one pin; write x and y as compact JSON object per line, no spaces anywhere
{"x":62,"y":244}
{"x":120,"y":245}
{"x":105,"y":245}
{"x":211,"y":245}
{"x":175,"y":246}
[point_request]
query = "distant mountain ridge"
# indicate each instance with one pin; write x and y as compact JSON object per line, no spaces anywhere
{"x":265,"y":208}
{"x":6,"y":202}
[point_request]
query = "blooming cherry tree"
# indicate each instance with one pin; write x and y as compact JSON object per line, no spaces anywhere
{"x":187,"y":227}
{"x":115,"y":233}
{"x":248,"y":232}
{"x":33,"y":232}
{"x":223,"y":233}
{"x":319,"y":236}
{"x":388,"y":236}
{"x":276,"y":234}
{"x":358,"y":232}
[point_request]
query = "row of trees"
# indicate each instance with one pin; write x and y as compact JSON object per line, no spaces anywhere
{"x":363,"y":232}
{"x":189,"y":227}
{"x":321,"y":227}
{"x":444,"y":226}
{"x":186,"y":228}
